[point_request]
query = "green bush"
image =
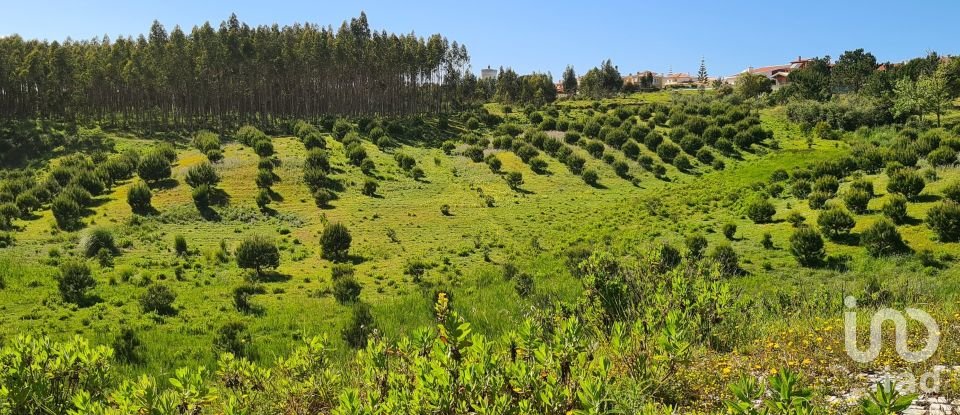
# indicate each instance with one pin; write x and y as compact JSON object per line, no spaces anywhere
{"x":882,"y":239}
{"x":856,"y":200}
{"x":726,"y":259}
{"x":153,"y":167}
{"x":319,"y":159}
{"x":806,"y":245}
{"x":729,"y":230}
{"x":74,"y":280}
{"x":835,"y":222}
{"x":818,"y":200}
{"x":355,"y":153}
{"x":201,"y":196}
{"x":180,"y":245}
{"x":370,"y":187}
{"x":263,"y":148}
{"x":944,"y":220}
{"x":66,"y":212}
{"x":796,"y":219}
{"x":346,"y":289}
{"x":360,"y":326}
{"x":682,"y":162}
{"x":158,"y":299}
{"x":760,"y":210}
{"x":952,"y":191}
{"x":494,"y":162}
{"x":206,"y":141}
{"x":257,"y":252}
{"x":139,"y":196}
{"x":335,"y":241}
{"x":538,"y":165}
{"x":264,"y":178}
{"x":234,"y":338}
{"x":590,"y":177}
{"x":826,"y":184}
{"x":801,"y":189}
{"x":126,"y":346}
{"x":242,"y":295}
{"x":696,"y":244}
{"x":576,"y":164}
{"x":896,"y":208}
{"x":201,"y":174}
{"x":96,"y":240}
{"x":630,"y":149}
{"x":323,"y":197}
{"x":943,"y":156}
{"x":667,"y":151}
{"x":263,"y":199}
{"x":248,"y":134}
{"x":906,"y":182}
{"x":514,"y":179}
{"x":524,"y":285}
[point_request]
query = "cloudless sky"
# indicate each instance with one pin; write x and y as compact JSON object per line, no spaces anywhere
{"x":546,"y":36}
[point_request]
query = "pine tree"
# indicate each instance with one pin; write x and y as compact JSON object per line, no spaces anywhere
{"x":702,"y":76}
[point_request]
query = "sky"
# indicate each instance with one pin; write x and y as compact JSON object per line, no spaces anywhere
{"x":547,"y":36}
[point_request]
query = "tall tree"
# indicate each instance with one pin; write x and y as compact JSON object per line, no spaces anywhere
{"x":702,"y":76}
{"x":934,"y":93}
{"x":812,"y":81}
{"x":569,"y":81}
{"x":852,"y":70}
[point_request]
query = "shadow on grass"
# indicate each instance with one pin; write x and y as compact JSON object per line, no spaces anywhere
{"x":272,"y":276}
{"x":927,"y":198}
{"x":164,"y":184}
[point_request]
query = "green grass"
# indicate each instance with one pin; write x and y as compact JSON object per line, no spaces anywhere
{"x":465,"y":249}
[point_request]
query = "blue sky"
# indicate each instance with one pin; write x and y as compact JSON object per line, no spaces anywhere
{"x":546,"y":36}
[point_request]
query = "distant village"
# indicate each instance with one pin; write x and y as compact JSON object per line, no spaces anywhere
{"x":649,"y":80}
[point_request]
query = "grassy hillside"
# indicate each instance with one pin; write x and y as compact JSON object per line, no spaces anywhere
{"x":464,"y":251}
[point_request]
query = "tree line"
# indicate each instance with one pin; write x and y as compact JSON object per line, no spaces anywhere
{"x":232,"y":75}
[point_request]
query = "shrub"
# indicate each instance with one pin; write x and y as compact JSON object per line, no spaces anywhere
{"x":417,"y":173}
{"x":729,"y":230}
{"x":514,"y":180}
{"x":906,"y":182}
{"x":257,"y":252}
{"x":826,"y":184}
{"x":369,"y":187}
{"x":180,"y":245}
{"x":264,"y":178}
{"x":668,"y":257}
{"x":952,"y":191}
{"x":630,"y":149}
{"x":621,"y":168}
{"x":760,"y":210}
{"x":318,"y":158}
{"x":356,"y":153}
{"x":576,"y":163}
{"x":335,"y":241}
{"x":653,"y":140}
{"x":779,"y":175}
{"x":159,"y":299}
{"x":201,"y":196}
{"x":696,"y":244}
{"x":323,"y":197}
{"x":943,"y":156}
{"x":944,"y":220}
{"x":154,"y":167}
{"x":346,"y":289}
{"x":494,"y":162}
{"x":863,"y":185}
{"x":882,"y":239}
{"x":590,"y":177}
{"x":78,"y":194}
{"x":74,"y":281}
{"x":201,"y":174}
{"x":448,"y":147}
{"x":682,"y":162}
{"x":66,"y":212}
{"x":263,"y":147}
{"x":796,"y":219}
{"x":445,"y":209}
{"x":726,"y":259}
{"x":96,"y":240}
{"x":667,"y":151}
{"x":233,"y":338}
{"x":766,"y":241}
{"x":538,"y":165}
{"x":806,"y":245}
{"x":835,"y":222}
{"x":801,"y":189}
{"x":360,"y":327}
{"x":248,"y":134}
{"x":818,"y":200}
{"x":263,"y":199}
{"x":126,"y":346}
{"x":139,"y":196}
{"x":856,"y":200}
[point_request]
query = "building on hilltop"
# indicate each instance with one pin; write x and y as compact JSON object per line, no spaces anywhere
{"x":778,"y":74}
{"x":643,"y":81}
{"x":488,"y":73}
